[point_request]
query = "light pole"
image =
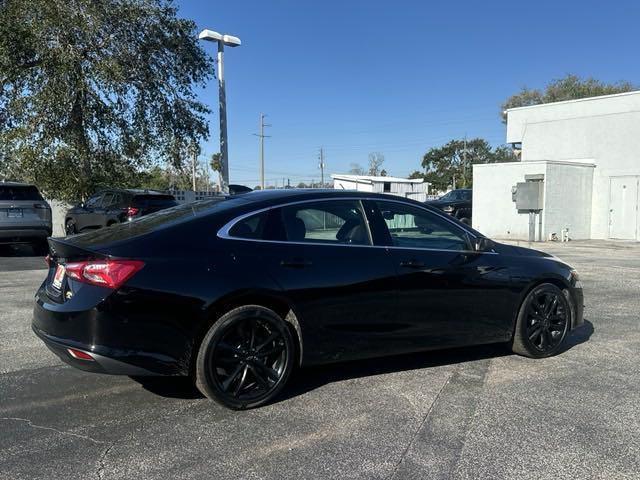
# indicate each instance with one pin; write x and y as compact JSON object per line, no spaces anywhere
{"x":230,"y":41}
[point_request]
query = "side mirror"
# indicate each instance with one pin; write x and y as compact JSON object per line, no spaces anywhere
{"x":482,"y":244}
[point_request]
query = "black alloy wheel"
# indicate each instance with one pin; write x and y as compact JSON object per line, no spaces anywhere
{"x":246,"y":358}
{"x":543,"y":322}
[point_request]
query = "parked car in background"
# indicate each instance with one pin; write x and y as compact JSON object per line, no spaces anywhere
{"x":109,"y":207}
{"x":456,"y":203}
{"x":25,"y":217}
{"x":237,"y":290}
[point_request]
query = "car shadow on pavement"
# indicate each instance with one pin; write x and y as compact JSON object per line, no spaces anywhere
{"x":578,"y":336}
{"x":169,"y":387}
{"x":18,"y":251}
{"x":309,"y":378}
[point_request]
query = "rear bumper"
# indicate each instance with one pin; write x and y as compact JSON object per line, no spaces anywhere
{"x":24,"y":234}
{"x":99,"y":364}
{"x":118,"y":345}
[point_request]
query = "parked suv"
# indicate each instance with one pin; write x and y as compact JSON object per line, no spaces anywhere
{"x":24,"y":215}
{"x":456,"y":203}
{"x":109,"y":207}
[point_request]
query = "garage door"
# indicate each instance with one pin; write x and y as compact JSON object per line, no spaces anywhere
{"x":623,"y":208}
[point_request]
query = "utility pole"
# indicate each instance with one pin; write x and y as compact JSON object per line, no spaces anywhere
{"x":464,"y":162}
{"x":261,"y":135}
{"x":193,"y":170}
{"x":321,"y":166}
{"x":194,"y":161}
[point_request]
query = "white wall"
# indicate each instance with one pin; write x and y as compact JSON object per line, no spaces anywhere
{"x":494,"y":214}
{"x":348,"y":185}
{"x":567,"y":199}
{"x":602,"y":130}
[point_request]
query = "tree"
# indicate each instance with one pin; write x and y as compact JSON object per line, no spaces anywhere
{"x":570,"y":87}
{"x":452,"y":163}
{"x":383,"y":173}
{"x":376,"y":159}
{"x":216,"y":166}
{"x":93,"y":92}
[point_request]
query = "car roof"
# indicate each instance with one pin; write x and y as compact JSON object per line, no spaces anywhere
{"x":306,"y":194}
{"x":133,"y":191}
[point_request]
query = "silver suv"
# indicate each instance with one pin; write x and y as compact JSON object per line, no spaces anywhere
{"x":25,"y":217}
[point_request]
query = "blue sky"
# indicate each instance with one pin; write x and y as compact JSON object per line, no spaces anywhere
{"x":396,"y":77}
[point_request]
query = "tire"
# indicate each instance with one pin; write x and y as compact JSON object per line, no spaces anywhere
{"x":245,"y":358}
{"x":466,"y":221}
{"x":543,"y":322}
{"x":70,"y":227}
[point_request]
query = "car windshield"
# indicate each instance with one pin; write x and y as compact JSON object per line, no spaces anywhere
{"x":19,"y":192}
{"x":457,"y":195}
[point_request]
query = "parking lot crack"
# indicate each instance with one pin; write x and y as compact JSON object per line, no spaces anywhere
{"x":437,"y":444}
{"x":101,"y":461}
{"x":42,"y":427}
{"x":422,"y":423}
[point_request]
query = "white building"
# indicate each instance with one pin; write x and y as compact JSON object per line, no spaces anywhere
{"x":414,"y":188}
{"x":589,"y":153}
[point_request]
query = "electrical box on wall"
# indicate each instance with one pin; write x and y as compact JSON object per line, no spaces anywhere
{"x":529,"y":195}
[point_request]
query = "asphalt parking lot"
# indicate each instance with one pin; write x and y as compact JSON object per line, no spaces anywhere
{"x":463,"y":414}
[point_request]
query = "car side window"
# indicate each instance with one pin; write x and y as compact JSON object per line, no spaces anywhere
{"x":251,"y":227}
{"x":414,"y":227}
{"x":94,"y":201}
{"x":335,"y":221}
{"x":107,"y":200}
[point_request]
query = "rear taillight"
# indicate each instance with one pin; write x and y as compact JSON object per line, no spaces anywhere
{"x":104,"y":273}
{"x":132,"y":211}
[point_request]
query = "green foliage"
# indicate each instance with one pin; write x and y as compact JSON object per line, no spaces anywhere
{"x":453,"y":162}
{"x":570,"y":87}
{"x":94,"y":92}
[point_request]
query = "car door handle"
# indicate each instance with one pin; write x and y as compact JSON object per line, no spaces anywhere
{"x":412,"y":264}
{"x":296,"y":263}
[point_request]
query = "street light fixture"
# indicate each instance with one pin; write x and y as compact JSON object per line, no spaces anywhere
{"x":230,"y":41}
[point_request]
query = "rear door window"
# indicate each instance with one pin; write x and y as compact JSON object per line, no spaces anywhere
{"x":252,"y":227}
{"x":330,"y":221}
{"x":20,"y":193}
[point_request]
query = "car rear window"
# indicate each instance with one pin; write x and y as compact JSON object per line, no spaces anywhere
{"x":19,"y":192}
{"x":151,"y":201}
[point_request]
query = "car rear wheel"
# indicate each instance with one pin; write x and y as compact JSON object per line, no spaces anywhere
{"x":245,"y":358}
{"x":543,"y":322}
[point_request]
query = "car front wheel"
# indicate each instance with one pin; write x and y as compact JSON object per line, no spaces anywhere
{"x":245,"y":358}
{"x":543,"y":323}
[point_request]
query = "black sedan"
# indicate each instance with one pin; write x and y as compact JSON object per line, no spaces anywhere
{"x":457,"y":203}
{"x":238,"y":291}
